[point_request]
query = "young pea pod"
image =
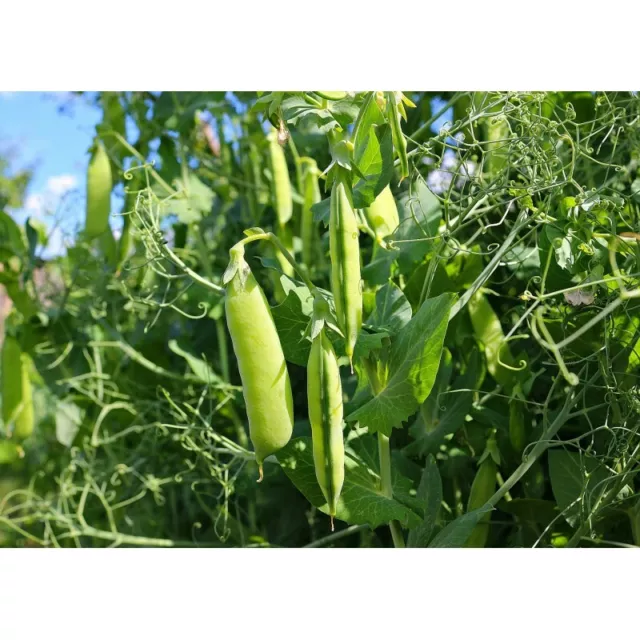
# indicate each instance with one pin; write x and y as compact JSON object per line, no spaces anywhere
{"x":382,"y":214}
{"x":263,"y":369}
{"x":99,"y":185}
{"x":482,"y":488}
{"x":399,"y":141}
{"x":311,"y":195}
{"x":324,"y":395}
{"x":346,"y":283}
{"x":281,"y":185}
{"x":17,"y":401}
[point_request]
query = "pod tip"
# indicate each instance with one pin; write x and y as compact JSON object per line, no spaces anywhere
{"x":332,"y":525}
{"x":261,"y":473}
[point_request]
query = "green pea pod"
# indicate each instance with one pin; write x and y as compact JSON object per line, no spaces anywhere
{"x":311,"y":195}
{"x":263,"y":369}
{"x":346,"y":283}
{"x":99,"y":185}
{"x":382,"y":214}
{"x":17,"y":400}
{"x":482,"y":488}
{"x":10,"y":452}
{"x":517,"y":429}
{"x":399,"y":141}
{"x":281,"y":185}
{"x":324,"y":394}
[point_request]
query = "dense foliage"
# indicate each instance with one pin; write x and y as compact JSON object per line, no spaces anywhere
{"x":493,"y":399}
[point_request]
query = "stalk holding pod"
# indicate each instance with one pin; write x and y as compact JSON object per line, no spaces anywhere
{"x":263,"y":370}
{"x":346,"y":282}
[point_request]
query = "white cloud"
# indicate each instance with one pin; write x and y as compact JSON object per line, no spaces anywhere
{"x":34,"y":204}
{"x":58,"y":185}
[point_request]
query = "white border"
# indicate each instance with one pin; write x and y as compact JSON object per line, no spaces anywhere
{"x":332,"y":44}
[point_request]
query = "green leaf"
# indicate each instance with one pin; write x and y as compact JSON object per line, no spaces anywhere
{"x":295,"y":109}
{"x":322,"y":211}
{"x":420,"y":214}
{"x":392,"y":310}
{"x":68,"y":421}
{"x":444,"y":412}
{"x":195,"y":201}
{"x":430,"y":494}
{"x":578,"y":481}
{"x":413,"y":364}
{"x":378,"y":271}
{"x":375,"y":161}
{"x":361,"y":500}
{"x":456,"y":533}
{"x":541,"y":512}
{"x":199,"y":367}
{"x":292,"y":318}
{"x":11,"y":238}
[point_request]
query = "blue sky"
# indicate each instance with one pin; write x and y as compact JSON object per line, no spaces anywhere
{"x":51,"y":133}
{"x":35,"y":134}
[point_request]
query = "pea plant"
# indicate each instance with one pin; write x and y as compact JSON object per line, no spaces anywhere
{"x":333,"y":319}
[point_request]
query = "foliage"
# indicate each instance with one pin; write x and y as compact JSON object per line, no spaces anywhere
{"x":501,"y":319}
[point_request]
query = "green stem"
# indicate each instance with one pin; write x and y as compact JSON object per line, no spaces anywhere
{"x":336,"y":536}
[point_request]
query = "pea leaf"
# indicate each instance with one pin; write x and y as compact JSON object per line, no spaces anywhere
{"x":321,"y":211}
{"x":413,"y":364}
{"x":378,"y":271}
{"x":430,"y":494}
{"x":444,"y":412}
{"x":457,"y":532}
{"x":68,"y":421}
{"x":361,"y":500}
{"x":294,"y":109}
{"x":375,"y":161}
{"x":577,"y":482}
{"x":199,"y":367}
{"x":392,"y":311}
{"x":291,"y":318}
{"x":419,"y":212}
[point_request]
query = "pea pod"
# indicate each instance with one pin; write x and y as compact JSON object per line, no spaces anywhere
{"x":399,"y":141}
{"x":346,"y":283}
{"x":99,"y":185}
{"x":311,"y":195}
{"x":281,"y":185}
{"x":17,"y":401}
{"x":482,"y":488}
{"x":382,"y":214}
{"x":263,"y":370}
{"x":324,"y":395}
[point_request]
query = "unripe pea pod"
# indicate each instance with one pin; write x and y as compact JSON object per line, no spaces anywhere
{"x":482,"y":488}
{"x":281,"y":185}
{"x":346,"y":283}
{"x":332,"y":95}
{"x":99,"y":185}
{"x":399,"y":141}
{"x":382,"y":214}
{"x":263,"y":369}
{"x":311,"y":195}
{"x":517,"y":429}
{"x":324,"y":395}
{"x":17,"y":400}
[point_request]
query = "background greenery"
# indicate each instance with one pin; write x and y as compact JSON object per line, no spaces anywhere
{"x":522,"y":214}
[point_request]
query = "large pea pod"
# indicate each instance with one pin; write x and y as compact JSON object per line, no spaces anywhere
{"x":263,"y":370}
{"x":17,"y":401}
{"x":324,"y":395}
{"x":382,"y":214}
{"x":99,"y":185}
{"x":399,"y":141}
{"x":311,"y":195}
{"x":281,"y":184}
{"x":346,"y":283}
{"x":482,"y":488}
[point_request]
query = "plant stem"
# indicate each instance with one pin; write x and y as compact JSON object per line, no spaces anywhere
{"x":384,"y":452}
{"x":354,"y":528}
